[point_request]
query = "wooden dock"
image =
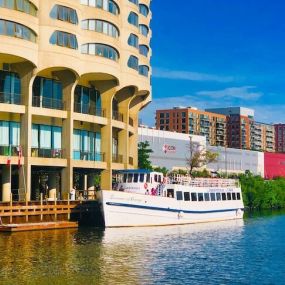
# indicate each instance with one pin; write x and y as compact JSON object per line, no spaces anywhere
{"x":37,"y":226}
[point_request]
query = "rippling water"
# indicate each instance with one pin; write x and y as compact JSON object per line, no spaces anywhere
{"x":236,"y":252}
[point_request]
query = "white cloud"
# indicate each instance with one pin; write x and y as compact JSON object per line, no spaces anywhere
{"x":189,"y":75}
{"x":244,"y":92}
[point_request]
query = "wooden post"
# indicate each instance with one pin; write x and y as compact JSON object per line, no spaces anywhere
{"x":41,"y":206}
{"x":68,"y":203}
{"x":27,"y":211}
{"x":55,"y":207}
{"x":11,"y":208}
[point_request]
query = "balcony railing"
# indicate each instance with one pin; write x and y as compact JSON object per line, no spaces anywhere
{"x":117,"y":158}
{"x":88,"y":109}
{"x":48,"y":103}
{"x":6,"y":149}
{"x":118,"y":116}
{"x":88,"y":156}
{"x":47,"y":152}
{"x":8,"y":98}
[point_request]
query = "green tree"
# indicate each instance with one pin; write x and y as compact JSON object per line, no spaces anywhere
{"x":144,"y":152}
{"x":163,"y":170}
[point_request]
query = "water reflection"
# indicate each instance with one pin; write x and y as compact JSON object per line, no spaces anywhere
{"x":114,"y":256}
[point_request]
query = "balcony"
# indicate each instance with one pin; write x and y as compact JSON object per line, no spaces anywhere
{"x":88,"y":155}
{"x":8,"y":98}
{"x":48,"y":103}
{"x":117,"y":158}
{"x":117,"y":116}
{"x":6,"y":150}
{"x":47,"y":152}
{"x":88,"y":109}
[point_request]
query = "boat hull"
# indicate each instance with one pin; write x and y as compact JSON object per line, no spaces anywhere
{"x":122,"y":209}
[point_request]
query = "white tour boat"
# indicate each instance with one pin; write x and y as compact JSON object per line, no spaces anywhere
{"x":145,"y":198}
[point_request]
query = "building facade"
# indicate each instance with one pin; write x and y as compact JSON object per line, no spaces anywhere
{"x":262,"y":137}
{"x":193,"y":121}
{"x":73,"y":77}
{"x":239,"y":121}
{"x":280,"y":137}
{"x":171,"y":150}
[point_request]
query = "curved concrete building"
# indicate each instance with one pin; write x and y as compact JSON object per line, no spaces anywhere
{"x":73,"y":77}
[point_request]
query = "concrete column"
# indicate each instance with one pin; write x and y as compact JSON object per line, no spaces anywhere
{"x":106,"y":179}
{"x":52,"y":185}
{"x":66,"y":181}
{"x":6,"y":183}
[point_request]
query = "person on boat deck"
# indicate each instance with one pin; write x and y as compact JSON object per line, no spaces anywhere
{"x":153,"y":192}
{"x":72,"y":193}
{"x":146,"y":192}
{"x":121,"y":188}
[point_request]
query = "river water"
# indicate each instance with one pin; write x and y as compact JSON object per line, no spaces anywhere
{"x":249,"y":251}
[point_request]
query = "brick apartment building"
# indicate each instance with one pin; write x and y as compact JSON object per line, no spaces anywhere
{"x":193,"y":121}
{"x":279,"y":137}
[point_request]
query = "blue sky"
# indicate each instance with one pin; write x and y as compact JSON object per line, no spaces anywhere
{"x":218,"y":53}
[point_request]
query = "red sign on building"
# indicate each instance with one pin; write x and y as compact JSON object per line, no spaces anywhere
{"x":274,"y":165}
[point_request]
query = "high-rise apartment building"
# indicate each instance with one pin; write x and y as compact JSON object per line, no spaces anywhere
{"x":238,"y":125}
{"x":193,"y":121}
{"x":262,"y":137}
{"x":279,"y":137}
{"x":73,"y":77}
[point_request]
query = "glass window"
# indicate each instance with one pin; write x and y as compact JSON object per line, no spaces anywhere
{"x":234,"y":196}
{"x":218,"y":195}
{"x":64,"y":39}
{"x":224,"y":196}
{"x":144,"y":50}
{"x":108,"y":5}
{"x":186,"y":196}
{"x":130,"y":177}
{"x":238,"y":196}
{"x":207,"y":196}
{"x":144,"y":10}
{"x":143,"y":70}
{"x":229,"y":196}
{"x":148,"y":178}
{"x":133,"y":62}
{"x":4,"y":133}
{"x":20,"y":5}
{"x":179,"y":195}
{"x":133,"y":40}
{"x":133,"y":19}
{"x":136,"y":177}
{"x":136,"y":2}
{"x":143,"y":30}
{"x":100,"y":27}
{"x":141,"y":178}
{"x":193,"y":196}
{"x":213,"y":196}
{"x":200,"y":197}
{"x":100,"y":50}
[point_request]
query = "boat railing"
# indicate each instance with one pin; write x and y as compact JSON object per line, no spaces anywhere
{"x":202,"y":182}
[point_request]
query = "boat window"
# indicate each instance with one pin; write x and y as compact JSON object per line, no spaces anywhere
{"x":207,"y":196}
{"x":130,"y":177}
{"x":224,"y":196}
{"x":179,"y":196}
{"x":193,"y":196}
{"x":213,"y":197}
{"x":200,"y":197}
{"x":148,"y":178}
{"x":136,"y":177}
{"x":159,"y":178}
{"x":170,"y":193}
{"x":141,"y":177}
{"x":229,"y":196}
{"x":218,"y":195}
{"x":238,"y":196}
{"x":234,"y":196}
{"x":155,"y":178}
{"x":186,"y":196}
{"x":125,"y":178}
